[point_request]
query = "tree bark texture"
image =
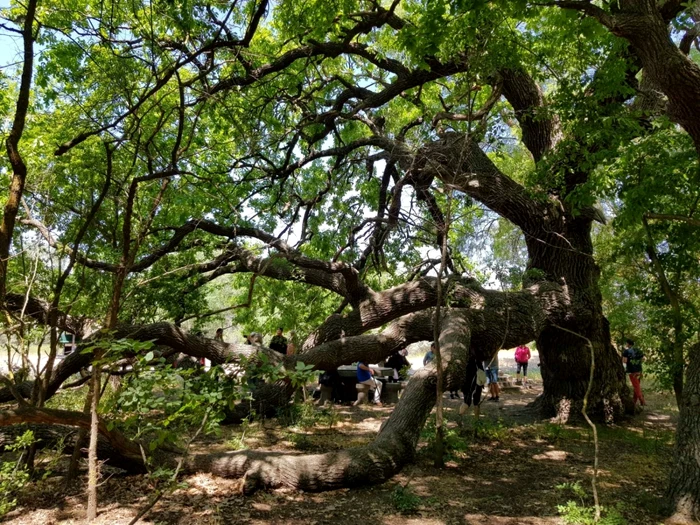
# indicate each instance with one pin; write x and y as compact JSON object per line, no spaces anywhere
{"x":684,"y":487}
{"x":19,"y":167}
{"x":565,"y":253}
{"x":668,"y":68}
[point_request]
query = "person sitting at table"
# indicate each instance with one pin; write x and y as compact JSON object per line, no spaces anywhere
{"x":365,"y":376}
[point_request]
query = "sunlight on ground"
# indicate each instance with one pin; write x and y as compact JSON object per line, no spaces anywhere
{"x":552,"y":455}
{"x":479,"y":519}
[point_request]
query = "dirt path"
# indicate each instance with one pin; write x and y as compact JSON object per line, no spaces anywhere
{"x":510,"y":468}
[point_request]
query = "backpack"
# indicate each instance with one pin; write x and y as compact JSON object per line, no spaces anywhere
{"x":326,"y":379}
{"x":480,"y":377}
{"x":521,"y":354}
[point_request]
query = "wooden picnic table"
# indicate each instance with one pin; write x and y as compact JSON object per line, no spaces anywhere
{"x":351,"y":371}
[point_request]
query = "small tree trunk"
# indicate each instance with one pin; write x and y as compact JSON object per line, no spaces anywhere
{"x":82,"y":434}
{"x":93,"y":467}
{"x":684,"y":489}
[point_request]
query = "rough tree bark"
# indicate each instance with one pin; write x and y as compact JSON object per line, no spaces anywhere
{"x":684,"y":488}
{"x":645,"y":24}
{"x":19,"y":167}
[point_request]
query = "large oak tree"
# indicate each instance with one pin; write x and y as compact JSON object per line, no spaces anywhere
{"x":167,"y":148}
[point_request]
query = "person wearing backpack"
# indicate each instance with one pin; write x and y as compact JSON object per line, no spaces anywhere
{"x":632,"y":359}
{"x":474,"y":381}
{"x":522,"y":356}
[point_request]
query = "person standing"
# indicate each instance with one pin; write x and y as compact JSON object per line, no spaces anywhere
{"x":522,"y":356}
{"x":632,"y":358}
{"x":471,"y":388}
{"x":219,"y":336}
{"x":278,"y":342}
{"x":492,"y":375}
{"x":429,"y":355}
{"x":397,"y":361}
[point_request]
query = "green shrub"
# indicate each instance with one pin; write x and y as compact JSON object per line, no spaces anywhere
{"x":575,"y":514}
{"x":453,"y":440}
{"x":13,"y":476}
{"x":579,"y":513}
{"x":300,"y":415}
{"x":405,"y":500}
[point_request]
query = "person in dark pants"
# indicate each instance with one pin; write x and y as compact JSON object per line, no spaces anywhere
{"x":397,"y":361}
{"x":472,"y":387}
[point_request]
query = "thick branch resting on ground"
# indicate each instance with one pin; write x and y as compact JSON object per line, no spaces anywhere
{"x":125,"y":453}
{"x":52,"y":436}
{"x":385,"y":456}
{"x":498,"y":318}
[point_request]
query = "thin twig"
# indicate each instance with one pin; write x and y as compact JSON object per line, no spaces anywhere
{"x":594,"y":479}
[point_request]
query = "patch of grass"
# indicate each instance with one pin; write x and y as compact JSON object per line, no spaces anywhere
{"x":555,"y":432}
{"x":492,"y":430}
{"x":647,"y":441}
{"x":300,"y":441}
{"x":71,"y":399}
{"x":649,"y":503}
{"x":405,"y":500}
{"x":328,"y":416}
{"x":298,"y":415}
{"x":236,"y":443}
{"x":454,"y":441}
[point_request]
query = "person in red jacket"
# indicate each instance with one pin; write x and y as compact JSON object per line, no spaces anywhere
{"x":522,"y":356}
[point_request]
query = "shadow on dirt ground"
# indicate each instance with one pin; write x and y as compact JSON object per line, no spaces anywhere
{"x":508,"y":468}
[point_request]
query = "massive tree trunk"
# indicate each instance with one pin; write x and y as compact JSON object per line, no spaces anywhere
{"x":565,"y":254}
{"x":684,"y":488}
{"x":560,"y":251}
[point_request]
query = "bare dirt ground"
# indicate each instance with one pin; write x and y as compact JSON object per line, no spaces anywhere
{"x":509,"y":469}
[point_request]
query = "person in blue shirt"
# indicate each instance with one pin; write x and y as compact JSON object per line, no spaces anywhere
{"x":365,"y":376}
{"x":429,"y":356}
